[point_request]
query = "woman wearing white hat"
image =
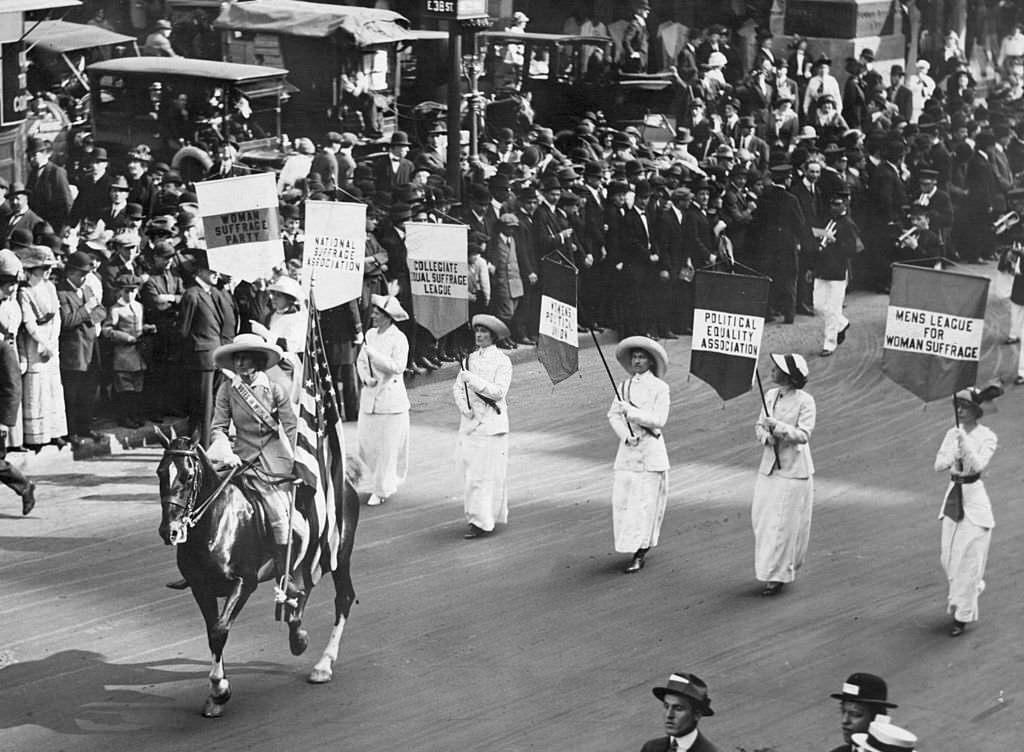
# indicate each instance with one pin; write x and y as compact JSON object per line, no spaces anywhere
{"x":383,"y":432}
{"x":481,"y":450}
{"x":265,"y":428}
{"x":966,"y":513}
{"x":640,"y":488}
{"x":288,"y":318}
{"x":784,"y":491}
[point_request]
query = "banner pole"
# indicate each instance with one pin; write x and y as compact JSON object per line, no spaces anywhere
{"x":610,"y":377}
{"x":764,"y":404}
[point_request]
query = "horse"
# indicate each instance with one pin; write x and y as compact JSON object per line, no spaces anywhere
{"x":224,"y":551}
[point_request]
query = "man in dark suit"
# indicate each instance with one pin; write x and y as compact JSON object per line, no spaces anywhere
{"x":10,"y":389}
{"x":984,"y":200}
{"x":898,"y":94}
{"x":779,"y":226}
{"x":395,"y":169}
{"x":685,"y":699}
{"x":636,"y":40}
{"x":21,"y":217}
{"x":207,"y":320}
{"x":161,"y":298}
{"x":676,"y":306}
{"x":886,"y":197}
{"x":809,"y":191}
{"x":50,"y":195}
{"x":80,"y":311}
{"x":591,"y":281}
{"x":93,"y":189}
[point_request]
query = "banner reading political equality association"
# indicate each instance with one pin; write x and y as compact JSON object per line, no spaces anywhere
{"x":728,"y":322}
{"x":332,"y":256}
{"x":558,"y":344}
{"x":243,"y":237}
{"x":933,"y":330}
{"x":439,"y":275}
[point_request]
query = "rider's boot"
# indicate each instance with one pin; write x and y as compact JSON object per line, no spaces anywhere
{"x":281,"y":568}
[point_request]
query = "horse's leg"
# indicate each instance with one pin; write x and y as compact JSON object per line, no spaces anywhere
{"x":344,"y":596}
{"x":217,"y":631}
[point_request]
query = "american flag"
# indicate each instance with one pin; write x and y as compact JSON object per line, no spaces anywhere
{"x":319,"y":455}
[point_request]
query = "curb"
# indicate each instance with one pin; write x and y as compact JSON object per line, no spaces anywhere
{"x":115,"y":439}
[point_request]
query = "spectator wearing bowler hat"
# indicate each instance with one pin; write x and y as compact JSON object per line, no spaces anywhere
{"x":50,"y":193}
{"x":21,"y":217}
{"x":161,"y":297}
{"x":11,"y":389}
{"x":395,"y":169}
{"x":158,"y":43}
{"x":81,"y":313}
{"x":685,"y":701}
{"x":116,"y":214}
{"x":779,"y":223}
{"x":864,"y":698}
{"x":93,"y":201}
{"x":325,"y":161}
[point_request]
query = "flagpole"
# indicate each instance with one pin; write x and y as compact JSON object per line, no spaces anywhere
{"x":764,"y":404}
{"x":610,"y":377}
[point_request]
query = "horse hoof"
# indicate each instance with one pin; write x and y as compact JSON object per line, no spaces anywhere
{"x":298,"y":641}
{"x":320,"y":676}
{"x":213,"y":709}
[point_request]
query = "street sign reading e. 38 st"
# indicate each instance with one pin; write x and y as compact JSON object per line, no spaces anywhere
{"x":455,"y":10}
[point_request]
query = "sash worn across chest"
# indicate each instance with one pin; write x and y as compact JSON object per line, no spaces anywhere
{"x":254,"y":405}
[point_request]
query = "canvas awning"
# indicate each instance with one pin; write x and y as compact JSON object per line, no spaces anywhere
{"x":63,"y":36}
{"x":366,"y":26}
{"x":24,"y":6}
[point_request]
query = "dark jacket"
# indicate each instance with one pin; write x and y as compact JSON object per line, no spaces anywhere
{"x":661,"y":745}
{"x":779,"y":226}
{"x":51,"y":194}
{"x":832,"y":261}
{"x":207,"y":321}
{"x":77,"y":326}
{"x":10,"y":384}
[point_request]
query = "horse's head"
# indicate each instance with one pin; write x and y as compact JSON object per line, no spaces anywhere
{"x":183,"y":471}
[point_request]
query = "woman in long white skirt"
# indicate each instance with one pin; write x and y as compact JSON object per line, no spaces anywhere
{"x":383,"y":431}
{"x":966,"y":514}
{"x":640,"y":488}
{"x":784,"y":491}
{"x":481,"y":450}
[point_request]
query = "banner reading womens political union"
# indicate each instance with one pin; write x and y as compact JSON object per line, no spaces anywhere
{"x":439,"y":275}
{"x":558,"y":343}
{"x":332,"y":256}
{"x":243,"y":237}
{"x":933,"y":330}
{"x":728,"y":322}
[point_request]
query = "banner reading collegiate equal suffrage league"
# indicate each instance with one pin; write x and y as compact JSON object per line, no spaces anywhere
{"x":728,"y":323}
{"x":558,"y":343}
{"x":332,"y":256}
{"x":243,"y":237}
{"x":438,"y":275}
{"x":933,"y":330}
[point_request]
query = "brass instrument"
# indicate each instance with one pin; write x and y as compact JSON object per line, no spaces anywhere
{"x":1005,"y":222}
{"x":901,"y":241}
{"x":828,"y":236}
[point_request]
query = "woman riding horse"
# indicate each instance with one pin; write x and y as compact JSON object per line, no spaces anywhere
{"x":265,"y":427}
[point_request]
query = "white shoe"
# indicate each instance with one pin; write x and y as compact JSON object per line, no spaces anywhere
{"x":375,"y":501}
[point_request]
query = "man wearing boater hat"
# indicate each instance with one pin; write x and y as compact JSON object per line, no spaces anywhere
{"x":862,"y":700}
{"x":685,"y":699}
{"x":884,"y":737}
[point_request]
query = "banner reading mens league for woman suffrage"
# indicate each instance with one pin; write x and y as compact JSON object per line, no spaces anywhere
{"x":439,"y":275}
{"x":933,"y":330}
{"x":332,"y":256}
{"x":243,"y":238}
{"x":728,"y":321}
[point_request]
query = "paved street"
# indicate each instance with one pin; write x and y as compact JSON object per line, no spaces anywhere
{"x":533,"y":639}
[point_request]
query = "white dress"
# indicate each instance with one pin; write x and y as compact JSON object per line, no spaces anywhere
{"x":784,"y":491}
{"x":383,"y":430}
{"x":42,"y":391}
{"x":640,"y":486}
{"x":481,"y":448}
{"x":965,"y":543}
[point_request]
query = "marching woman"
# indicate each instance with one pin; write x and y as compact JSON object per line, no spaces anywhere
{"x":383,"y":430}
{"x":966,"y":514}
{"x":784,"y":490}
{"x":481,"y":450}
{"x":640,"y":488}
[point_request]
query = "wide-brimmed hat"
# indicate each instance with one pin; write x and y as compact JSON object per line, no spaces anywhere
{"x":305,"y":146}
{"x":624,"y":352}
{"x":10,"y":264}
{"x":20,"y":237}
{"x":791,"y":364}
{"x":287,"y":286}
{"x":495,"y":325}
{"x":126,"y":238}
{"x":977,"y":397}
{"x":390,"y":305}
{"x":79,"y":261}
{"x":885,"y":737}
{"x":866,"y":688}
{"x":252,"y":343}
{"x":127,"y":280}
{"x":37,"y":256}
{"x":683,"y":684}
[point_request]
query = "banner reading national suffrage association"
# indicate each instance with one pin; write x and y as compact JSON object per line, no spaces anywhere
{"x":243,"y":237}
{"x":728,"y":321}
{"x":332,"y":256}
{"x":439,"y":275}
{"x":933,"y":330}
{"x":558,"y":344}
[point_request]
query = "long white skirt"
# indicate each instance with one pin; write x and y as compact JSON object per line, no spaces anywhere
{"x":42,"y":400}
{"x":482,"y":462}
{"x":639,"y":499}
{"x":964,"y":555}
{"x":781,"y":517}
{"x":383,"y":441}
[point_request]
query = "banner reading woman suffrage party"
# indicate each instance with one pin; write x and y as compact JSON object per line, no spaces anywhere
{"x":239,"y":215}
{"x":439,"y":275}
{"x":332,"y":256}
